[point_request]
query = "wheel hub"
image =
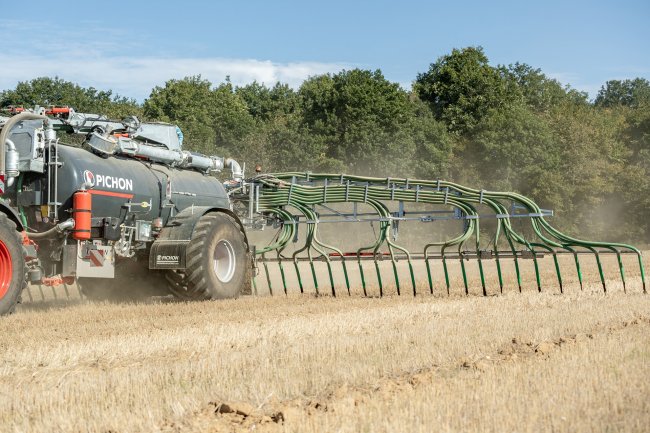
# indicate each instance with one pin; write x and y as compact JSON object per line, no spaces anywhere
{"x":223,"y":261}
{"x":6,"y":269}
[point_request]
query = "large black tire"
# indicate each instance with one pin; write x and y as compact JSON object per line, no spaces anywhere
{"x":133,"y":282}
{"x":217,"y":261}
{"x":12,"y":266}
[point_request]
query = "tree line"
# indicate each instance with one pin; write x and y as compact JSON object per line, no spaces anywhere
{"x":491,"y":127}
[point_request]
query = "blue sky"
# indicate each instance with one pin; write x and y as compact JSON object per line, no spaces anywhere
{"x":131,"y":46}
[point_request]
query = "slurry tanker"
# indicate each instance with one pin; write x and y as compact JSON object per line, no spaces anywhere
{"x":129,"y":213}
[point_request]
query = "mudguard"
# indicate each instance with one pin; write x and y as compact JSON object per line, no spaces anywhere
{"x":12,"y":215}
{"x":169,"y":250}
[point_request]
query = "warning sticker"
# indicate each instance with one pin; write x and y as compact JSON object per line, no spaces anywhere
{"x":96,"y":258}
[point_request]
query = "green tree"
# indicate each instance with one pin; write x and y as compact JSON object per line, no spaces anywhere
{"x":461,"y":88}
{"x":264,"y":103}
{"x":513,"y":149}
{"x":434,"y":145}
{"x":538,"y":91}
{"x":363,"y":119}
{"x":45,"y":91}
{"x":284,"y":144}
{"x":214,"y":120}
{"x":633,"y":183}
{"x":632,"y":93}
{"x":593,"y":158}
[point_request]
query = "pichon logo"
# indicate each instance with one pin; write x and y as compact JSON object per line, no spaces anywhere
{"x":104,"y":181}
{"x":160,"y":259}
{"x":89,"y":178}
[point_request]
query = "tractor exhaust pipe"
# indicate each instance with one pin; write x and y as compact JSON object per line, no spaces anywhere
{"x":11,"y":162}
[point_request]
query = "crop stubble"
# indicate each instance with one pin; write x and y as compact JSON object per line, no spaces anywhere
{"x":516,"y":362}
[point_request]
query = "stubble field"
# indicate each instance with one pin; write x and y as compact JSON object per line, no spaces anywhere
{"x":511,"y":362}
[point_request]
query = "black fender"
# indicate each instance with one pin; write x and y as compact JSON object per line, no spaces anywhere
{"x":13,"y":216}
{"x":169,"y":250}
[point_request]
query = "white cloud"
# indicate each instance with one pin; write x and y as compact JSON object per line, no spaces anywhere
{"x":91,"y":54}
{"x":135,"y":77}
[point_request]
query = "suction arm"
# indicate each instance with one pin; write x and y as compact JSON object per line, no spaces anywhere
{"x":235,"y":169}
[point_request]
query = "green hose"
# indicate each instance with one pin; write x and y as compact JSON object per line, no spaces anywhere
{"x":303,"y":191}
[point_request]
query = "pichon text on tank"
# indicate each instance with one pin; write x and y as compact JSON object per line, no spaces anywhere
{"x":104,"y":181}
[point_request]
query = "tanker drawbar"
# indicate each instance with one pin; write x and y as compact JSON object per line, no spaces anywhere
{"x":131,"y":214}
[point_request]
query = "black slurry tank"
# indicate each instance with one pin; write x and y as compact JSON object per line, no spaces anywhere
{"x":150,"y":190}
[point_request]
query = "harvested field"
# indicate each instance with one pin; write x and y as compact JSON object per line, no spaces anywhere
{"x":526,"y":362}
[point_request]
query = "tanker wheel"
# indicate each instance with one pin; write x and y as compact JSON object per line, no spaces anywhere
{"x":12,"y":266}
{"x":217,"y":261}
{"x":133,"y":282}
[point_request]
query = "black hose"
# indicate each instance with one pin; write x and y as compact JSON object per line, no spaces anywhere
{"x":54,"y":231}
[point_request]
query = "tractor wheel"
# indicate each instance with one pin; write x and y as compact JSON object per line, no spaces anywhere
{"x":133,"y":282}
{"x":217,"y":261}
{"x":12,"y":266}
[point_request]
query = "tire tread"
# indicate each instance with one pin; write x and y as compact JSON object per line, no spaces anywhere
{"x":4,"y":220}
{"x":192,"y":283}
